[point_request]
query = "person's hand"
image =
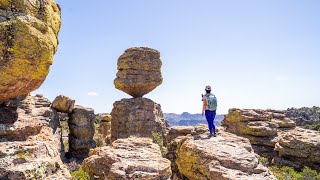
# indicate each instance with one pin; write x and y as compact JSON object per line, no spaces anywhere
{"x":202,"y":113}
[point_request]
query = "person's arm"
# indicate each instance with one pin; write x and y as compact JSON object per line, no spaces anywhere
{"x":204,"y":106}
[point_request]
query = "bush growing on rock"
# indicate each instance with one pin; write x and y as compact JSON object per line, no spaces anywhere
{"x":288,"y":173}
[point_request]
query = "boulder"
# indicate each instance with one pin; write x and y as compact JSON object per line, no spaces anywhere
{"x":81,"y":126}
{"x":106,"y":117}
{"x":28,"y":41}
{"x":139,"y":71}
{"x":226,"y":156}
{"x":63,"y":104}
{"x":131,"y":158}
{"x":138,"y":117}
{"x":299,"y":147}
{"x":30,"y":146}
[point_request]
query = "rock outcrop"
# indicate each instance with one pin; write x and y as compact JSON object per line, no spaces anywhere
{"x":81,"y":125}
{"x":261,"y":127}
{"x":28,"y":41}
{"x":139,"y":71}
{"x":137,"y":116}
{"x":176,"y":131}
{"x":298,"y":148}
{"x":131,"y":158}
{"x":63,"y":104}
{"x":224,"y":157}
{"x":105,"y":128}
{"x":303,"y":116}
{"x":30,"y":146}
{"x":275,"y":136}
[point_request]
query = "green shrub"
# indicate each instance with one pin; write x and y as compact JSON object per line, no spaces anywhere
{"x":22,"y":155}
{"x":264,"y":161}
{"x":80,"y":174}
{"x":288,"y":173}
{"x":158,"y":139}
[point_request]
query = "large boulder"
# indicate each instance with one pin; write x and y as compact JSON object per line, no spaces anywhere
{"x":139,"y":71}
{"x":81,"y":126}
{"x":138,"y":117}
{"x":63,"y":104}
{"x":298,"y":148}
{"x":225,"y":157}
{"x":28,"y":41}
{"x":131,"y":158}
{"x":30,"y":146}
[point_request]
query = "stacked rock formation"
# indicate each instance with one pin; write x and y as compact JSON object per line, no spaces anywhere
{"x":30,"y":146}
{"x":81,"y":126}
{"x":63,"y":104}
{"x":28,"y":41}
{"x":130,"y":158}
{"x":105,"y":128}
{"x":139,"y":73}
{"x":274,"y":136}
{"x":226,"y":157}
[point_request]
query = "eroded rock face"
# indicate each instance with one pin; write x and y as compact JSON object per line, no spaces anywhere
{"x":261,"y":127}
{"x":139,"y":71}
{"x":226,"y":156}
{"x":28,"y":42}
{"x":81,"y":126}
{"x":131,"y":158}
{"x":30,"y":146}
{"x":298,"y":148}
{"x":138,"y":117}
{"x":63,"y":104}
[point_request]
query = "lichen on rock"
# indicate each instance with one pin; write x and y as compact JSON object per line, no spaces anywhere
{"x":28,"y":41}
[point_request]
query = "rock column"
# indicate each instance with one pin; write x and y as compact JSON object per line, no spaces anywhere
{"x":139,"y":73}
{"x":81,"y":125}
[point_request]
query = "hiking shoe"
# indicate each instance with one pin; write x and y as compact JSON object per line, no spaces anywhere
{"x":210,"y":135}
{"x":214,"y":135}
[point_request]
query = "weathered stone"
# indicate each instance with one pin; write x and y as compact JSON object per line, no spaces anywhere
{"x":226,"y":156}
{"x":81,"y":125}
{"x":30,"y":146}
{"x":106,"y":117}
{"x":139,"y":117}
{"x":131,"y":158}
{"x":63,"y":104}
{"x":139,"y":71}
{"x":300,"y":147}
{"x":28,"y":42}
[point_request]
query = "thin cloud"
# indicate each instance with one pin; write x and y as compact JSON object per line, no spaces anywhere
{"x":93,"y":94}
{"x":281,"y":78}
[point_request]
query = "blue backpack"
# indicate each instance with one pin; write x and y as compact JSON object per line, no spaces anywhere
{"x":212,"y":102}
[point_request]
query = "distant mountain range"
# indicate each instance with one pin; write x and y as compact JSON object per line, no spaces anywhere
{"x":187,"y":119}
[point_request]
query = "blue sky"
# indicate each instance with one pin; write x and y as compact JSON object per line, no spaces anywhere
{"x":255,"y":54}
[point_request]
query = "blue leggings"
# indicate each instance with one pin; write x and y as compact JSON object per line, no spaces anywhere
{"x":210,"y":115}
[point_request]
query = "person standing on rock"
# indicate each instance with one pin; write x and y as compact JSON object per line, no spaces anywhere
{"x":209,"y":109}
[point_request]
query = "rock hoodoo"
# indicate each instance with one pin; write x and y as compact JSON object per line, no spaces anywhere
{"x":139,"y":71}
{"x":30,"y":146}
{"x":138,"y":116}
{"x":130,"y":158}
{"x":28,"y":41}
{"x":81,"y":125}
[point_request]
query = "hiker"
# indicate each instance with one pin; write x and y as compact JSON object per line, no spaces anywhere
{"x":209,"y":109}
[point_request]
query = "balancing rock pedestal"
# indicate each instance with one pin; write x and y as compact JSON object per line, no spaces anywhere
{"x":139,"y":117}
{"x":139,"y":72}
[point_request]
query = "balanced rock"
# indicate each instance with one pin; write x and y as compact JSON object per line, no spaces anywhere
{"x":225,"y":157}
{"x":299,"y":148}
{"x":81,"y":126}
{"x":131,"y":158}
{"x":30,"y":146}
{"x":139,"y":117}
{"x":28,"y":41}
{"x":139,"y":71}
{"x":63,"y":104}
